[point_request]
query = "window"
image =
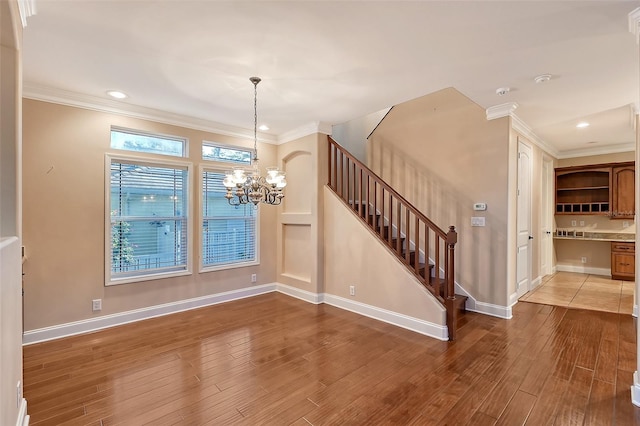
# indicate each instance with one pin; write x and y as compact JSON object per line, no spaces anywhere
{"x":147,"y":226}
{"x":229,"y":234}
{"x":214,"y":152}
{"x":130,"y":140}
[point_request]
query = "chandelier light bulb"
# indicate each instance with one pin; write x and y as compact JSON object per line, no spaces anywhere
{"x":228,"y":181}
{"x":282,"y":182}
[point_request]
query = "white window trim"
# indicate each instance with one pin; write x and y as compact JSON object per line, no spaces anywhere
{"x":185,"y":141}
{"x":202,"y":268}
{"x":170,"y":161}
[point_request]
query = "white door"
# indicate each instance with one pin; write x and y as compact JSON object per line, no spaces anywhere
{"x":546,"y":215}
{"x":523,"y":258}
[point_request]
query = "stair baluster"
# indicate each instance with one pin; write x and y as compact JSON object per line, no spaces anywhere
{"x":374,"y":201}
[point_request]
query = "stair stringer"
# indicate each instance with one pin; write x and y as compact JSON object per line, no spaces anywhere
{"x":355,"y":256}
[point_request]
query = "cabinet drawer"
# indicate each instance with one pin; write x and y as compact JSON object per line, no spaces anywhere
{"x":623,"y":247}
{"x":623,"y":261}
{"x":624,"y":264}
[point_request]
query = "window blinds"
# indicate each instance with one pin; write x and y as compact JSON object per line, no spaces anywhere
{"x":148,"y":210}
{"x":228,"y":232}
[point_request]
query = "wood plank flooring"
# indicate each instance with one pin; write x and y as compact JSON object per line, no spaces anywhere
{"x":275,"y":360}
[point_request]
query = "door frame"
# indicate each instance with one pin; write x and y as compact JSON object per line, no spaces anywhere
{"x":528,"y":286}
{"x":546,"y":213}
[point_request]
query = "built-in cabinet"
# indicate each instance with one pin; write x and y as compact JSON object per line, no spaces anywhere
{"x":601,"y":189}
{"x":605,"y":190}
{"x":623,"y":261}
{"x":623,"y":198}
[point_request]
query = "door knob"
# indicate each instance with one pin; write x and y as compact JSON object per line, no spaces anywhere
{"x":530,"y":237}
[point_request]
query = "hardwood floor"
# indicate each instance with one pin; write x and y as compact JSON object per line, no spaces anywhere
{"x":276,"y":360}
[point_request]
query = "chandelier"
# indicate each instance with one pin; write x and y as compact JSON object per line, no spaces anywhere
{"x":247,"y":186}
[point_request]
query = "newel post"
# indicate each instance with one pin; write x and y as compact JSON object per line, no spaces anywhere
{"x":452,"y":239}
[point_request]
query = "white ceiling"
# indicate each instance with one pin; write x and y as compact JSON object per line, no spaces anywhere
{"x":324,"y":61}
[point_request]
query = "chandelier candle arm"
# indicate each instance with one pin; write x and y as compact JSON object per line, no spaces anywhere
{"x":252,"y":187}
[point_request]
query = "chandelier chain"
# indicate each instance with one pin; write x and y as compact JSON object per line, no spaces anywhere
{"x":244,"y":186}
{"x":255,"y":119}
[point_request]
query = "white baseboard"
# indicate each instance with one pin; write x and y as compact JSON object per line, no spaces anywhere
{"x":635,"y":390}
{"x":106,"y":321}
{"x":499,"y":311}
{"x":513,"y":299}
{"x":584,"y":270}
{"x":484,"y":308}
{"x":23,"y":417}
{"x":426,"y":328}
{"x":536,"y":282}
{"x":305,"y":295}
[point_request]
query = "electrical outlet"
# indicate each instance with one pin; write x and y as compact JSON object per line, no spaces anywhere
{"x":574,"y":223}
{"x":582,"y":223}
{"x":583,"y":259}
{"x":254,"y":278}
{"x":96,"y":305}
{"x":352,"y":290}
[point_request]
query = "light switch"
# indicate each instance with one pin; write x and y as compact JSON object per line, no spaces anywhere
{"x":477,"y":221}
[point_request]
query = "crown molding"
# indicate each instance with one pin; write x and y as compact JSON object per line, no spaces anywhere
{"x":27,"y":8}
{"x":502,"y":110}
{"x":94,"y":103}
{"x":634,"y":24}
{"x":609,"y":149}
{"x":521,"y":127}
{"x":507,"y":110}
{"x":302,"y":131}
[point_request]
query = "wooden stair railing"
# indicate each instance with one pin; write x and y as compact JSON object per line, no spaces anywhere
{"x":404,"y":229}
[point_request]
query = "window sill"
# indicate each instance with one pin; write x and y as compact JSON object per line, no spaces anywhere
{"x":150,"y":277}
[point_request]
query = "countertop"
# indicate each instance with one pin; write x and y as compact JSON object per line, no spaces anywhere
{"x":596,"y":236}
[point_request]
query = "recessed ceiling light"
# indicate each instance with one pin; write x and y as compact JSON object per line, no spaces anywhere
{"x":263,"y":127}
{"x":582,"y":125}
{"x":542,"y":78}
{"x":501,"y":91}
{"x":117,"y":94}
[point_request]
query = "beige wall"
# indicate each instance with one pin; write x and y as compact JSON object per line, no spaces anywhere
{"x":355,"y":257}
{"x":64,"y":214}
{"x":353,"y":134}
{"x":597,"y":159}
{"x":300,"y":222}
{"x":440,"y":152}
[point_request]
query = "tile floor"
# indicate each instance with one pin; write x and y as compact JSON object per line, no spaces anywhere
{"x":583,"y":291}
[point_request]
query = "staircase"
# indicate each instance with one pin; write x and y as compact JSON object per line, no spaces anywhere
{"x":425,"y":249}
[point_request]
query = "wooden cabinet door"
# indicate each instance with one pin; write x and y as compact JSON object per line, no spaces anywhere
{"x":623,"y":201}
{"x":622,"y":266}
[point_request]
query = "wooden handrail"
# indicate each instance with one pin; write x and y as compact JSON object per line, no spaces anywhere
{"x":407,"y":232}
{"x":381,"y":182}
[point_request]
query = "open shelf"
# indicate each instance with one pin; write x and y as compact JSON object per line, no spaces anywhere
{"x":583,"y":190}
{"x":582,"y":208}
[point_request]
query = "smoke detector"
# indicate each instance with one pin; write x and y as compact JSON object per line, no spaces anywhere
{"x":542,"y":78}
{"x":501,"y":91}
